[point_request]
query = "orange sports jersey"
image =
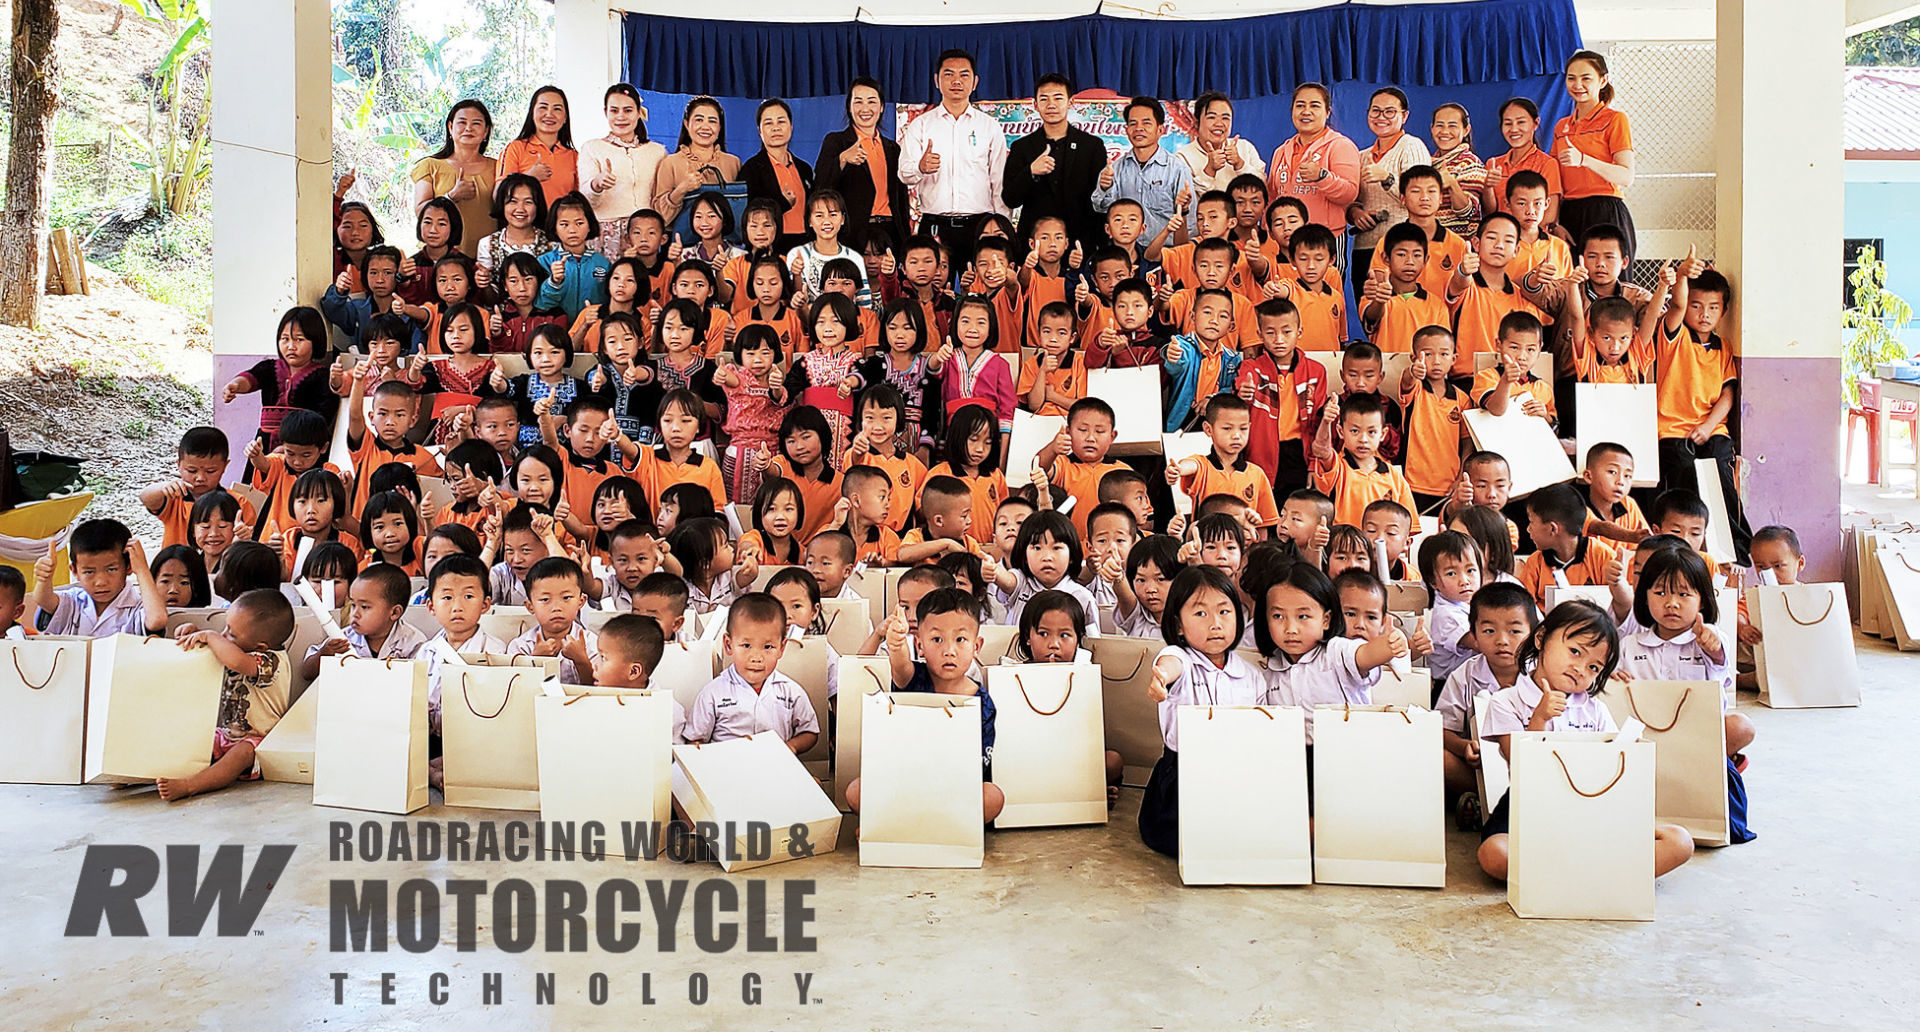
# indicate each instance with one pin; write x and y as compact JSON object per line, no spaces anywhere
{"x":791,"y":555}
{"x":879,"y":546}
{"x":988,"y":490}
{"x":1528,"y":255}
{"x":1099,"y":318}
{"x":369,"y":455}
{"x":1353,"y":489}
{"x":1243,"y":480}
{"x":1323,"y":316}
{"x":584,"y":478}
{"x":1636,"y":366}
{"x":1588,"y":566}
{"x":1624,"y":514}
{"x":411,"y":567}
{"x":918,"y":536}
{"x":1070,"y":380}
{"x":276,"y":482}
{"x":1692,"y":375}
{"x":1404,"y":315}
{"x":1081,"y":480}
{"x":1477,"y":312}
{"x":1540,"y":390}
{"x":1599,"y":135}
{"x":906,"y":474}
{"x":1176,"y":263}
{"x":656,"y":472}
{"x":818,"y":495}
{"x":176,"y":514}
{"x":1041,"y":291}
{"x":1445,"y":249}
{"x":1434,"y":432}
{"x":718,"y":323}
{"x":290,"y":548}
{"x":1246,"y":325}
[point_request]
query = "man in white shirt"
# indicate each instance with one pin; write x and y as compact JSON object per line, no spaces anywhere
{"x":952,"y":156}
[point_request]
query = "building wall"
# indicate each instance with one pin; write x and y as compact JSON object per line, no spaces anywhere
{"x":1889,"y":211}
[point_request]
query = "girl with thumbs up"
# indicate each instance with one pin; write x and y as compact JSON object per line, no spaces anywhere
{"x":462,"y":172}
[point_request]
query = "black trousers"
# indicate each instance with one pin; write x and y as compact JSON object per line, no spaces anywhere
{"x":958,"y":233}
{"x":1677,"y":455}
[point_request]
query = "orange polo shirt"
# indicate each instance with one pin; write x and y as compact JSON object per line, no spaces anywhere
{"x":1588,"y":566}
{"x":1534,"y":160}
{"x":1692,"y":374}
{"x":1353,"y":489}
{"x":880,"y":547}
{"x":786,"y":326}
{"x":1529,"y":255}
{"x":370,"y":455}
{"x":176,"y":515}
{"x":1445,"y":248}
{"x":1599,"y":135}
{"x":793,"y":221}
{"x":656,"y":473}
{"x":877,"y":168}
{"x":1434,"y":431}
{"x":817,"y":497}
{"x":1177,"y":263}
{"x":1007,"y":319}
{"x":583,"y":479}
{"x":1404,"y":315}
{"x":1636,"y":366}
{"x":291,"y":549}
{"x":1070,"y":379}
{"x":1243,"y":480}
{"x":1540,"y":390}
{"x":277,"y":484}
{"x":521,"y":155}
{"x":1625,"y":514}
{"x":988,"y":490}
{"x":907,"y":475}
{"x":1042,"y":290}
{"x":1081,"y":480}
{"x":1323,"y":316}
{"x":1476,"y":318}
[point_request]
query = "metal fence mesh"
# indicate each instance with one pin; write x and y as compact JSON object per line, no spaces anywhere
{"x":1667,"y":90}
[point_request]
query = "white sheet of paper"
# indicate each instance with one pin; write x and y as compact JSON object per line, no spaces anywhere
{"x":1181,"y":446}
{"x":1626,"y":414}
{"x":1030,"y":434}
{"x":1526,"y":442}
{"x":1135,"y":397}
{"x":1719,"y":531}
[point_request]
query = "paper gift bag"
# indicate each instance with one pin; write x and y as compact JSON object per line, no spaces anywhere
{"x":1532,"y":451}
{"x":151,"y":709}
{"x":1408,"y":597}
{"x":1413,"y":688}
{"x":1131,"y":719}
{"x":1048,"y":756}
{"x":490,"y":755}
{"x":860,"y":676}
{"x":1492,"y":775}
{"x":1184,"y":446}
{"x":606,"y":755}
{"x":370,"y":735}
{"x":1805,"y":656}
{"x":1900,"y":573}
{"x":1230,"y":835}
{"x":805,"y":660}
{"x":1377,"y":797}
{"x":848,"y":621}
{"x":1598,"y":594}
{"x":1135,"y":397}
{"x":1581,"y":844}
{"x":286,"y":754}
{"x":920,"y":781}
{"x":880,"y":586}
{"x":205,"y":619}
{"x":43,"y":710}
{"x":1684,"y":722}
{"x":1626,"y":414}
{"x":549,"y":666}
{"x":506,"y":622}
{"x":685,"y":668}
{"x":754,"y":779}
{"x":1030,"y":434}
{"x":995,"y":641}
{"x":1719,"y":527}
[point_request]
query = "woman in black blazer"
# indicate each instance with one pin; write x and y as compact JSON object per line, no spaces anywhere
{"x":844,"y":167}
{"x":761,"y":174}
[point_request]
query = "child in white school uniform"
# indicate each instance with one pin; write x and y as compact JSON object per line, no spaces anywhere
{"x":799,"y":594}
{"x":630,"y":649}
{"x":106,"y":597}
{"x":1450,"y":564}
{"x":1046,"y":556}
{"x":458,"y":593}
{"x":1567,"y":661}
{"x":1501,"y":618}
{"x":376,"y":602}
{"x":832,"y":558}
{"x":1051,"y":629}
{"x":751,"y":696}
{"x":1141,"y":598}
{"x":556,"y":592}
{"x":663,"y":596}
{"x":1111,"y":533}
{"x":1199,"y":667}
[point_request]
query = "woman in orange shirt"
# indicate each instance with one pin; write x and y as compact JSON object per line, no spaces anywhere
{"x":1594,"y":147}
{"x":544,"y":149}
{"x":863,"y":167}
{"x":1520,"y":127}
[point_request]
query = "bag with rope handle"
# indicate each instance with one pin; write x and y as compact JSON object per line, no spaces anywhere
{"x":1805,"y":656}
{"x":490,"y":751}
{"x":1581,"y":844}
{"x":1684,"y":722}
{"x":43,"y":710}
{"x":370,"y":734}
{"x":1048,"y":752}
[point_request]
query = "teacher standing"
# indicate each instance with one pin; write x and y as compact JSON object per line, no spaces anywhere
{"x":701,"y":160}
{"x":461,"y":172}
{"x":1594,"y":147}
{"x":864,"y":168}
{"x":617,"y":169}
{"x":1054,"y":170}
{"x":1318,"y":165}
{"x":776,"y":175}
{"x":952,"y":156}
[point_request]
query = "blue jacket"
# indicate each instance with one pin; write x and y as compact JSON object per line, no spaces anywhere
{"x":1184,"y":376}
{"x":586,"y":282}
{"x":353,"y":312}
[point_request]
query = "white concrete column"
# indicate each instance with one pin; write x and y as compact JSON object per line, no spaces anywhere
{"x":586,"y":60}
{"x":1780,"y":194}
{"x":272,"y":167}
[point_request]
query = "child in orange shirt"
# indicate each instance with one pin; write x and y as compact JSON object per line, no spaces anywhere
{"x":1607,"y":348}
{"x":1539,"y":257}
{"x":1323,"y":313}
{"x":1435,"y":428}
{"x":1285,"y":390}
{"x":1697,"y":382}
{"x":1357,"y":476}
{"x":395,"y":407}
{"x":1481,"y":294}
{"x":973,"y":458}
{"x":304,"y":437}
{"x":201,"y":461}
{"x":1046,"y":275}
{"x":880,"y":412}
{"x":1281,"y":218}
{"x":1050,"y":380}
{"x":1076,"y":459}
{"x":866,"y":495}
{"x":1396,"y":304}
{"x":1521,"y":336}
{"x":1613,"y":514}
{"x":994,"y":280}
{"x":1424,"y":193}
{"x":1213,"y":264}
{"x":1225,"y":469}
{"x":1566,"y":555}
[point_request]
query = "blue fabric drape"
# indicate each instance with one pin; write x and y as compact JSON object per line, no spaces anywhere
{"x":1411,"y":46}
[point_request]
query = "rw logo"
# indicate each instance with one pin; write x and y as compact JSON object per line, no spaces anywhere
{"x":227,"y":888}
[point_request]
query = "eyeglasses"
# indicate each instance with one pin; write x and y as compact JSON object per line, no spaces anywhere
{"x":1381,"y":112}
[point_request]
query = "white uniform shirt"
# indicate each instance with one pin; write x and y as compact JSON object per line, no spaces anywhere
{"x":1328,"y":675}
{"x":76,"y":613}
{"x":728,"y":707}
{"x":1447,"y":623}
{"x":569,"y":671}
{"x":438,"y":652}
{"x":1137,"y":624}
{"x":1513,"y":707}
{"x":973,"y":155}
{"x":1647,"y":657}
{"x":1025,"y":587}
{"x":507,"y":589}
{"x":1468,"y":681}
{"x":611,"y":588}
{"x":403,"y":641}
{"x":1203,"y":684}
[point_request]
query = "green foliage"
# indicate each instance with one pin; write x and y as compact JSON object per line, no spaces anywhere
{"x":174,"y":148}
{"x":1896,"y":46}
{"x":1871,"y":327}
{"x":167,"y":260}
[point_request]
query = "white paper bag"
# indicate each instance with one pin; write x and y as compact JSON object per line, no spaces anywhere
{"x":1378,"y":797}
{"x":1230,"y":834}
{"x":1719,"y":526}
{"x":606,"y":755}
{"x":1599,"y":594}
{"x":1805,"y":657}
{"x":685,"y":668}
{"x":757,"y":778}
{"x":286,"y":754}
{"x":880,"y":586}
{"x":506,"y":622}
{"x":920,"y":781}
{"x":151,"y":709}
{"x":1581,"y":839}
{"x":370,"y":735}
{"x":490,"y":755}
{"x":1135,"y":396}
{"x":1684,"y":722}
{"x":848,"y":621}
{"x":1532,"y":451}
{"x":1048,"y":756}
{"x":1412,"y":688}
{"x":1184,"y":446}
{"x":805,"y":660}
{"x":860,"y":676}
{"x":1626,"y":414}
{"x":548,"y":666}
{"x":1899,"y":573}
{"x":1131,"y":719}
{"x":996,"y":640}
{"x":1492,"y":775}
{"x":43,"y":710}
{"x":1030,"y":434}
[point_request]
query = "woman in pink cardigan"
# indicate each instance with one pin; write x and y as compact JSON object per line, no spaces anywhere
{"x":1318,"y":165}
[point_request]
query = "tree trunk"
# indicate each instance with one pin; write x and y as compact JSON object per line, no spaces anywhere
{"x":34,"y":92}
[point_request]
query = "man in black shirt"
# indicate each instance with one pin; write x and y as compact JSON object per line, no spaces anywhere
{"x":1054,"y":170}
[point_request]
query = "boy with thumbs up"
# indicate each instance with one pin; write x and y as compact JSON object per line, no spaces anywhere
{"x":1697,"y":387}
{"x":103,"y":600}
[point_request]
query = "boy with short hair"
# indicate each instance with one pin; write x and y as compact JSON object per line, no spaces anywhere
{"x":1318,"y":296}
{"x":1225,"y":469}
{"x":1387,"y":521}
{"x":1130,"y":339}
{"x":1614,"y":514}
{"x":1214,"y":261}
{"x":304,"y":439}
{"x":832,"y":559}
{"x":394,"y":410}
{"x":1776,"y":553}
{"x":1565,"y":554}
{"x":13,"y":604}
{"x":584,"y":450}
{"x":633,"y":552}
{"x":109,"y":571}
{"x":1093,"y":296}
{"x":1007,"y":518}
{"x":1050,"y":381}
{"x":662,"y":598}
{"x":1126,"y":224}
{"x":920,"y":262}
{"x":1213,"y":220}
{"x":1501,"y":618}
{"x":1202,"y":364}
{"x":376,"y":601}
{"x":1046,"y":275}
{"x":1285,"y":389}
{"x":1248,"y":192}
{"x":255,"y":686}
{"x":1538,"y":257}
{"x":1684,"y":515}
{"x":630,"y":649}
{"x":1363,"y":371}
{"x":556,"y":592}
{"x":1611,"y":345}
{"x":1481,"y":293}
{"x":1433,"y":409}
{"x":1697,"y":383}
{"x":1306,"y":519}
{"x":1128,"y":487}
{"x":1357,"y":476}
{"x":497,"y":422}
{"x":946,"y":510}
{"x":1076,"y":459}
{"x":526,"y":537}
{"x":1396,"y":303}
{"x":1282,"y":218}
{"x":459,"y":595}
{"x":866,"y":492}
{"x":201,"y":461}
{"x":751,"y":696}
{"x":1424,"y":194}
{"x":1512,"y":377}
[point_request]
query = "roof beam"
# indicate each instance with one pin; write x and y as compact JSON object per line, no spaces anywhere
{"x":1867,"y":15}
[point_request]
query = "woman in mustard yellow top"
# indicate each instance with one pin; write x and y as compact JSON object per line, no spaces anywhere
{"x":461,"y":172}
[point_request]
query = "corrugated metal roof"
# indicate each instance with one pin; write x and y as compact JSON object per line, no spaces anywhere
{"x":1883,"y":112}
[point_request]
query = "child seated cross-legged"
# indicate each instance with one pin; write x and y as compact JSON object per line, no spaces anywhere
{"x":376,"y":602}
{"x":1051,"y":629}
{"x":254,"y":689}
{"x":630,"y":649}
{"x":1565,"y":663}
{"x":1500,"y":619}
{"x":752,"y":697}
{"x":556,"y":592}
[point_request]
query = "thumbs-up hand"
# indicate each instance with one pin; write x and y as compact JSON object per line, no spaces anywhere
{"x":1470,"y":263}
{"x":675,"y":249}
{"x":344,"y":282}
{"x":1708,"y":638}
{"x":346,"y":182}
{"x":966,"y":278}
{"x":764,"y":460}
{"x":1184,"y":197}
{"x":464,"y":189}
{"x":929,"y":161}
{"x":1081,"y":293}
{"x":1669,"y":275}
{"x":1075,"y":256}
{"x":1309,"y":170}
{"x":1175,"y":351}
{"x":557,"y":270}
{"x":1166,"y":670}
{"x":1176,"y":222}
{"x":897,"y":631}
{"x":1320,"y":536}
{"x":540,"y":170}
{"x":1571,"y":156}
{"x":1033,"y":259}
{"x":495,"y":322}
{"x":498,"y":379}
{"x":483,"y":275}
{"x":1043,"y":164}
{"x":602,"y":180}
{"x":596,"y":380}
{"x":887,"y":263}
{"x":1553,"y":702}
{"x":1693,"y":266}
{"x":1106,"y":175}
{"x":1231,"y":151}
{"x":1419,"y":368}
{"x":1615,"y":571}
{"x":1379,"y":289}
{"x":1331,"y":412}
{"x":43,"y":566}
{"x":1420,"y":642}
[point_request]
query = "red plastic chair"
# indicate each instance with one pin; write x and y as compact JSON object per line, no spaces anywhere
{"x":1869,"y":411}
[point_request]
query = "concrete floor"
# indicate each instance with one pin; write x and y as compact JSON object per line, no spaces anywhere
{"x":1804,"y":928}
